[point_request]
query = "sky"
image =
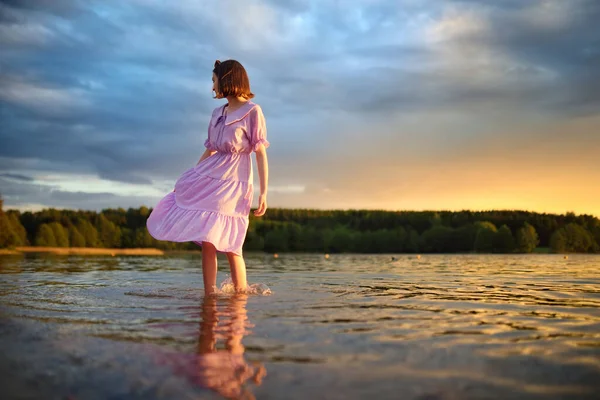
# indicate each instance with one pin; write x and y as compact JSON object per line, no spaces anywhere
{"x":373,"y":104}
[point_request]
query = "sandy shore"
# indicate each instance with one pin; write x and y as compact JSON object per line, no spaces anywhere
{"x":9,"y":252}
{"x":84,"y":251}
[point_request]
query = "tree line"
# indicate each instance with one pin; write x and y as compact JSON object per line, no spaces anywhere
{"x":329,"y":231}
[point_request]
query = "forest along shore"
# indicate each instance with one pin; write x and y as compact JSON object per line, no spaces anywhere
{"x":83,"y":251}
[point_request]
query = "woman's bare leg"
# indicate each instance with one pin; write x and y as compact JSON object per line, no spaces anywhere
{"x":209,"y":267}
{"x":238,"y":271}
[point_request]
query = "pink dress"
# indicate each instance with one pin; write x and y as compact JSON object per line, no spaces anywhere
{"x":211,"y":201}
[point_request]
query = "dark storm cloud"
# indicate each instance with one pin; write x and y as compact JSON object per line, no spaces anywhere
{"x":559,"y":36}
{"x":29,"y":193}
{"x":17,"y":177}
{"x":76,"y":92}
{"x":530,"y":37}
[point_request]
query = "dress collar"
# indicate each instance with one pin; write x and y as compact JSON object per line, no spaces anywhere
{"x":238,"y":114}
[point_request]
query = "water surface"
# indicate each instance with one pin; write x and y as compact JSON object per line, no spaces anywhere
{"x":347,"y":327}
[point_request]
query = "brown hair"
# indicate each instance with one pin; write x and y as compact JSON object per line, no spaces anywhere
{"x":233,"y":79}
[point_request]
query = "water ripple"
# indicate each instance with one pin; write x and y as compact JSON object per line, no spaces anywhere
{"x":350,"y":326}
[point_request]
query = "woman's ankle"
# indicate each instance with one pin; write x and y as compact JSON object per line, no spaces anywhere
{"x":241,"y":289}
{"x":210,"y":290}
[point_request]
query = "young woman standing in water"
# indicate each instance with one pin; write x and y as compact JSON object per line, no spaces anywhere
{"x":211,"y":202}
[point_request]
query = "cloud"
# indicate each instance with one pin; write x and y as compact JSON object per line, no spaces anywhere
{"x":35,"y":194}
{"x":17,"y":177}
{"x":45,"y":101}
{"x":121,"y":91}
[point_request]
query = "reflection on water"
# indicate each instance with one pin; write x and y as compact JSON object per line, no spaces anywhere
{"x":440,"y":327}
{"x":222,"y":368}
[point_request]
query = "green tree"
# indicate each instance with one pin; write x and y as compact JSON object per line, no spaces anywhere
{"x":367,"y":231}
{"x":45,"y":236}
{"x":595,"y":231}
{"x":413,"y":244}
{"x":435,"y":220}
{"x":294,"y":234}
{"x":254,"y":242}
{"x":363,"y":242}
{"x":60,"y":234}
{"x":76,"y":239}
{"x":527,"y":239}
{"x":17,"y":228}
{"x":400,"y":239}
{"x":8,"y":237}
{"x":577,"y":238}
{"x":464,"y":238}
{"x":276,"y":241}
{"x":326,"y":239}
{"x":504,"y":242}
{"x":143,"y":238}
{"x":311,"y":239}
{"x":342,"y":240}
{"x":438,"y":239}
{"x":385,"y":241}
{"x":128,"y":238}
{"x":88,"y":231}
{"x":485,"y":236}
{"x":558,"y":241}
{"x":8,"y":233}
{"x":108,"y":233}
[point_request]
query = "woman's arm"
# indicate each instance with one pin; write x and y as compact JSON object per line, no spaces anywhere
{"x":207,"y":153}
{"x":263,"y":174}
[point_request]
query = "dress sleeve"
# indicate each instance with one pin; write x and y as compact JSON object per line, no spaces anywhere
{"x":258,"y":129}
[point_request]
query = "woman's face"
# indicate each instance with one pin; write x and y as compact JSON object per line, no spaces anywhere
{"x":215,"y":86}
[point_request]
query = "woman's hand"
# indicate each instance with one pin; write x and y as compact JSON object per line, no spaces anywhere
{"x":263,"y":174}
{"x":207,"y":153}
{"x":262,"y":206}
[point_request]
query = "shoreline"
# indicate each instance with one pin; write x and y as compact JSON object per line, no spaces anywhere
{"x":20,"y":250}
{"x":83,"y":251}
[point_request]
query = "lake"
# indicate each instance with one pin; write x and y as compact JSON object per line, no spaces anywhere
{"x":345,"y":327}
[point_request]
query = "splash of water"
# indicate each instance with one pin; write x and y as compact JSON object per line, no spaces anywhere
{"x":256,"y":288}
{"x":226,"y":288}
